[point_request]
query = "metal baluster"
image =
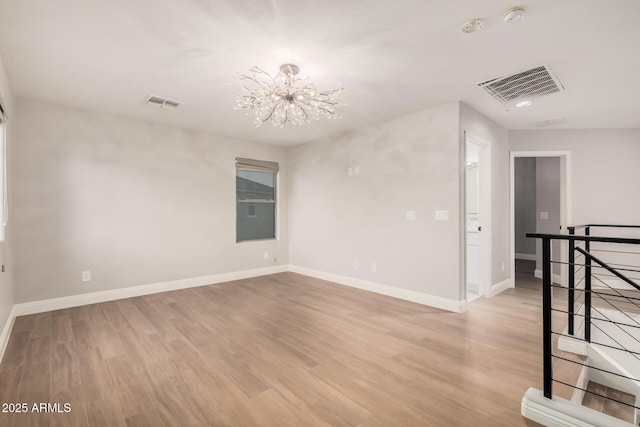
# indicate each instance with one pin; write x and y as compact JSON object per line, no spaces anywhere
{"x":587,"y":289}
{"x":572,"y":280}
{"x":546,"y":318}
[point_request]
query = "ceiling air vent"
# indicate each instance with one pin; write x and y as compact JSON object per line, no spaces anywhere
{"x":538,"y":81}
{"x":164,"y":103}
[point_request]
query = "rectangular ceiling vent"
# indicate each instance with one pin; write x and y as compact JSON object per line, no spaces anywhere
{"x":550,"y":122}
{"x":164,"y":103}
{"x":538,"y":81}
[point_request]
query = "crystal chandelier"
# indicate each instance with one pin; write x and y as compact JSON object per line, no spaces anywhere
{"x":282,"y":99}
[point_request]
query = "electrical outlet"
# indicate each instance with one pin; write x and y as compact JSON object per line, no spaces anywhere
{"x":266,"y":255}
{"x":411,"y":215}
{"x":502,"y":266}
{"x":86,"y":276}
{"x":350,"y":171}
{"x":357,"y":170}
{"x":374,"y":267}
{"x":356,"y":264}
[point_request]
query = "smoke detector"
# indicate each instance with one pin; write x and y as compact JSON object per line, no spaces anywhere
{"x":163,"y":103}
{"x":514,"y":14}
{"x":472,"y":26}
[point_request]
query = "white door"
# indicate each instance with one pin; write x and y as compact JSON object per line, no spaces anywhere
{"x":477,"y":221}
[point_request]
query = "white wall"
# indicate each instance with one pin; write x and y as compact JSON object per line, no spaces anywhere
{"x":525,"y":204}
{"x":480,"y":126}
{"x":604,"y":170}
{"x":409,"y":163}
{"x":7,"y":288}
{"x":134,"y":202}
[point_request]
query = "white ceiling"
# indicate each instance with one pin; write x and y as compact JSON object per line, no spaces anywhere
{"x":394,"y":57}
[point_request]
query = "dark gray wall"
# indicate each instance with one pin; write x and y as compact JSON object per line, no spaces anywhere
{"x":548,"y":200}
{"x":525,"y":204}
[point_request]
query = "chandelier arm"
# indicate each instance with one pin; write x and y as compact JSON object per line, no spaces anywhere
{"x":261,"y":71}
{"x":300,"y":105}
{"x":319,"y":107}
{"x":270,"y":114}
{"x":252,"y":78}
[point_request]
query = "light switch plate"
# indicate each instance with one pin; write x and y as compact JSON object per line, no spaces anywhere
{"x":442,"y":215}
{"x":411,"y":215}
{"x":544,"y":215}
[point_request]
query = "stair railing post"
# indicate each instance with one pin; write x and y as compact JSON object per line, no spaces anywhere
{"x":546,"y":318}
{"x":587,"y":289}
{"x":572,"y":280}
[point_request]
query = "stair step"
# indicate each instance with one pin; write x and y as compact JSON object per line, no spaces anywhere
{"x":568,"y":373}
{"x":609,"y":407}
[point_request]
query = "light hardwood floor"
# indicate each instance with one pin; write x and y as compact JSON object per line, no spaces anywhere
{"x":278,"y":350}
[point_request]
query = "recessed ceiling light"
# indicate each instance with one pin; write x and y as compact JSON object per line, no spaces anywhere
{"x":524,"y":104}
{"x":512,"y":15}
{"x":472,"y":26}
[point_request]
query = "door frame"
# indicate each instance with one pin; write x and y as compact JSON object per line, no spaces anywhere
{"x":566,"y":211}
{"x":484,"y":237}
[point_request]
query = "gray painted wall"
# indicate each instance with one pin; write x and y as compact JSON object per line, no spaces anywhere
{"x":548,"y":200}
{"x":134,"y":202}
{"x":7,"y":287}
{"x":409,"y":163}
{"x":525,"y":204}
{"x":480,"y":126}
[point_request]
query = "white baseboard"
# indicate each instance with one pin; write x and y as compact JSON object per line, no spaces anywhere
{"x":134,"y":291}
{"x":556,"y":277}
{"x":379,"y":288}
{"x":6,"y":331}
{"x":527,"y":257}
{"x":500,"y":287}
{"x":558,"y":412}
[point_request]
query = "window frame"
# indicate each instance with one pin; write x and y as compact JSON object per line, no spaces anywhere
{"x":258,"y":166}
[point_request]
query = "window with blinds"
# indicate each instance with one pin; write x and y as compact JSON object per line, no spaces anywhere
{"x":255,"y":199}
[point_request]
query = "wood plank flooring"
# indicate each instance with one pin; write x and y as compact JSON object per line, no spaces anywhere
{"x":278,"y":350}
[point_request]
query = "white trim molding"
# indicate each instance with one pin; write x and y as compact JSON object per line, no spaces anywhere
{"x":558,"y":412}
{"x":6,"y":331}
{"x":134,"y":291}
{"x":379,"y":288}
{"x":566,"y":211}
{"x":500,"y":287}
{"x":527,"y":257}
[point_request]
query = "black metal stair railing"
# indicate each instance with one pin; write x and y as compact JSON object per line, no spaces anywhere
{"x":593,"y":293}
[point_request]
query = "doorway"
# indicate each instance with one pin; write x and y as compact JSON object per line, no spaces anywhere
{"x":477,"y":217}
{"x":540,"y":202}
